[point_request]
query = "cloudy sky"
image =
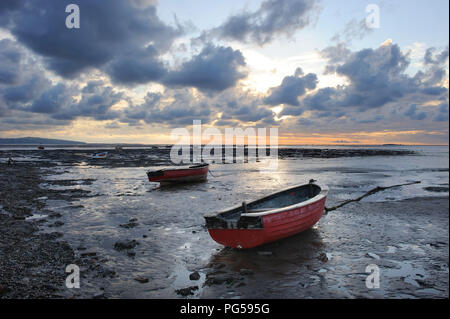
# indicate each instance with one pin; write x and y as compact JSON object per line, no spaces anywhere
{"x":136,"y":69}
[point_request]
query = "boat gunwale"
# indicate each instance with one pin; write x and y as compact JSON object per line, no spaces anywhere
{"x":322,"y":194}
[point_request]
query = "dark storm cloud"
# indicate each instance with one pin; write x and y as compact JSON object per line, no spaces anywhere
{"x":291,"y":88}
{"x":107,"y":31}
{"x":58,"y":102}
{"x":25,"y":120}
{"x":124,"y":39}
{"x":182,"y":110}
{"x":21,"y":80}
{"x":335,"y":55}
{"x":378,"y":71}
{"x":319,"y":101}
{"x":25,"y":92}
{"x":434,"y":63}
{"x":10,"y":66}
{"x":34,"y":93}
{"x":414,"y":114}
{"x":7,"y":7}
{"x":323,"y":98}
{"x":376,"y":77}
{"x":305,"y":122}
{"x":139,"y":112}
{"x":272,"y":19}
{"x":443,"y":108}
{"x":215,"y":68}
{"x":242,"y":106}
{"x":137,"y":67}
{"x":375,"y":119}
{"x":95,"y":103}
{"x":436,"y":59}
{"x":249,"y":113}
{"x":442,"y":115}
{"x":51,"y":100}
{"x":231,"y":106}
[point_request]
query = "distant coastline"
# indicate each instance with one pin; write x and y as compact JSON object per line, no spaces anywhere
{"x":34,"y":141}
{"x":37,"y":140}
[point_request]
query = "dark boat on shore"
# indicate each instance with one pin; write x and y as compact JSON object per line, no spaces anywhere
{"x":276,"y":216}
{"x":183,"y":174}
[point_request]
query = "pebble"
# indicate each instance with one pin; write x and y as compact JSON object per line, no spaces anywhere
{"x":125,"y":244}
{"x":129,"y":225}
{"x":323,"y":257}
{"x":244,"y":271}
{"x":186,"y":291}
{"x":194,"y":276}
{"x":141,"y":279}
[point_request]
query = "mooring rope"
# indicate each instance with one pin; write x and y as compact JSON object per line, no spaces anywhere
{"x":371,"y":192}
{"x":211,"y":173}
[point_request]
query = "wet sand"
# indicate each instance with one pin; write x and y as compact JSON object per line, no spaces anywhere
{"x":407,"y":240}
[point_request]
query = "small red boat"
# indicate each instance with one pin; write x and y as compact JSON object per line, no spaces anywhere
{"x":196,"y":173}
{"x":270,"y":218}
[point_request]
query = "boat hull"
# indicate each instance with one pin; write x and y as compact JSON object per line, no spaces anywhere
{"x":173,"y":176}
{"x":275,"y":227}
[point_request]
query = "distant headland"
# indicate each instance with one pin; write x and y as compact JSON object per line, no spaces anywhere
{"x":36,"y":140}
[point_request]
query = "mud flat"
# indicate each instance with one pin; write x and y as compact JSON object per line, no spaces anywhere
{"x":156,"y":156}
{"x":407,"y":240}
{"x":33,"y":263}
{"x":134,"y":240}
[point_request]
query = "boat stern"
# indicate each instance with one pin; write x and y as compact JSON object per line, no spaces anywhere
{"x":240,"y":232}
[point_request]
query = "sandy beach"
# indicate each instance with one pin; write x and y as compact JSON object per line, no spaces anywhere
{"x":51,"y":218}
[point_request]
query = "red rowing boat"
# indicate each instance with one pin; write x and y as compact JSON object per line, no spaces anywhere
{"x":196,"y":173}
{"x":270,"y":218}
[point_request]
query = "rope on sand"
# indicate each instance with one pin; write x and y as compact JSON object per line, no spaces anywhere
{"x":371,"y":192}
{"x":209,"y":170}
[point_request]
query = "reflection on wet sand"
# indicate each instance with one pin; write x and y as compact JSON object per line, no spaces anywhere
{"x":287,"y":261}
{"x":296,"y":250}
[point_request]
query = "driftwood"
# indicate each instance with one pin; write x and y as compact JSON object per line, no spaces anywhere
{"x":371,"y":192}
